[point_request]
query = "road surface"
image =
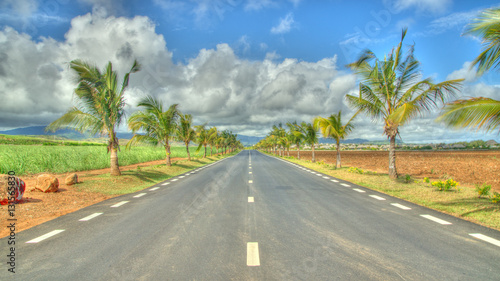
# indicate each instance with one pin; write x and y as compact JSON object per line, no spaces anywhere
{"x":255,"y":217}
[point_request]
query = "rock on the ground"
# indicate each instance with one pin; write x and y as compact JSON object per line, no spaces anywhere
{"x":71,"y":179}
{"x":47,"y":183}
{"x":18,"y":187}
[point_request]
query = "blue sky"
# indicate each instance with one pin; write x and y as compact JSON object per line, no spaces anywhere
{"x":240,"y":65}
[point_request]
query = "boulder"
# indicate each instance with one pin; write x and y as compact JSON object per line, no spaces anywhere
{"x":18,"y":187}
{"x":47,"y":183}
{"x":71,"y":179}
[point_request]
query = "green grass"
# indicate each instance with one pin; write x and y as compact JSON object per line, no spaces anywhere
{"x":138,"y":179}
{"x":32,"y":159}
{"x":464,"y":204}
{"x":45,"y":140}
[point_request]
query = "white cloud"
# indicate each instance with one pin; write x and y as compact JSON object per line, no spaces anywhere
{"x":284,"y":26}
{"x":466,"y":72}
{"x":216,"y":86}
{"x":20,"y":7}
{"x":256,"y":5}
{"x":432,"y":6}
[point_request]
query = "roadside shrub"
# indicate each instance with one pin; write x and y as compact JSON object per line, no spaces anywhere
{"x":426,"y":180}
{"x":483,"y":190}
{"x":446,"y":185}
{"x":495,"y":198}
{"x":355,"y":170}
{"x":407,"y":178}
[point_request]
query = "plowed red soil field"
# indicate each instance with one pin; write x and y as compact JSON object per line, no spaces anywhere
{"x":466,"y":167}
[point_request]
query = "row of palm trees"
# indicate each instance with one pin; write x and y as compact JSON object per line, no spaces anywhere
{"x":392,"y":91}
{"x":99,"y":109}
{"x":279,"y":139}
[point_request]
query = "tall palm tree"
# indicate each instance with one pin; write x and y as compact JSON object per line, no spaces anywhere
{"x":295,"y":136}
{"x":159,"y":126}
{"x":185,"y":131}
{"x":391,"y":90}
{"x":332,"y":127}
{"x":309,"y":133}
{"x":213,"y":135}
{"x":202,"y":137}
{"x":99,"y":106}
{"x":479,"y":113}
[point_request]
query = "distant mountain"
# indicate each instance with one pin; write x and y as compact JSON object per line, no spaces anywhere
{"x":248,"y":140}
{"x":328,"y":140}
{"x":70,"y":134}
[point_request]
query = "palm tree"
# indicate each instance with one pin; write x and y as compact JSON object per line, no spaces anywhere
{"x":202,"y":137}
{"x":332,"y":127}
{"x":99,"y":106}
{"x":391,"y":90}
{"x":479,"y":113}
{"x":295,"y":136}
{"x":308,"y":132}
{"x":213,"y":135}
{"x":159,"y":126}
{"x":185,"y":131}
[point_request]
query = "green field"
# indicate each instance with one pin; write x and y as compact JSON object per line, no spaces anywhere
{"x":33,"y":159}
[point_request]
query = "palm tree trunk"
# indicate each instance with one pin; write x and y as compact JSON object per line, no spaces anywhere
{"x":288,"y":151}
{"x":298,"y":151}
{"x":167,"y":151}
{"x":115,"y":168}
{"x":187,"y":149}
{"x":313,"y":159}
{"x":338,"y":155}
{"x":393,"y":174}
{"x":205,"y":155}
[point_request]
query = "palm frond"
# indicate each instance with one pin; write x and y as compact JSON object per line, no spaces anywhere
{"x":479,"y":113}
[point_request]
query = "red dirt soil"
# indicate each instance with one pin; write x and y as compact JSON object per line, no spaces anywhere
{"x":41,"y":207}
{"x":466,"y":167}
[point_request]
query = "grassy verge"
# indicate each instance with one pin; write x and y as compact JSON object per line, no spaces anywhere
{"x":134,"y":180}
{"x":464,"y":203}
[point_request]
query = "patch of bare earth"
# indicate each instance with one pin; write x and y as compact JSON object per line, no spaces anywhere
{"x":40,"y":207}
{"x":466,"y":167}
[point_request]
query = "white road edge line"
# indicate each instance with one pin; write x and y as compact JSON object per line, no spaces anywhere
{"x":335,"y":180}
{"x":432,"y":218}
{"x":167,"y":183}
{"x":346,"y":185}
{"x":253,"y":254}
{"x":154,"y":188}
{"x":486,"y":238}
{"x":326,"y":178}
{"x":181,"y":177}
{"x":119,"y":204}
{"x":45,"y":236}
{"x":87,"y":218}
{"x":358,"y":190}
{"x":140,"y":195}
{"x":377,"y":197}
{"x":400,"y":206}
{"x":175,"y":180}
{"x":250,"y":199}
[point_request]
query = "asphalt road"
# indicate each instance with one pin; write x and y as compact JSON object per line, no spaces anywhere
{"x":300,"y":226}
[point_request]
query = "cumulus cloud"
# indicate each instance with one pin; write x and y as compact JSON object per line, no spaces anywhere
{"x":466,"y":72}
{"x":216,"y":86}
{"x":284,"y":26}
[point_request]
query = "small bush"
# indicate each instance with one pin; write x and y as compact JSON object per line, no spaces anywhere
{"x":426,"y":180}
{"x":495,"y":198}
{"x":483,"y":190}
{"x":355,"y":170}
{"x":407,"y":178}
{"x":446,"y":185}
